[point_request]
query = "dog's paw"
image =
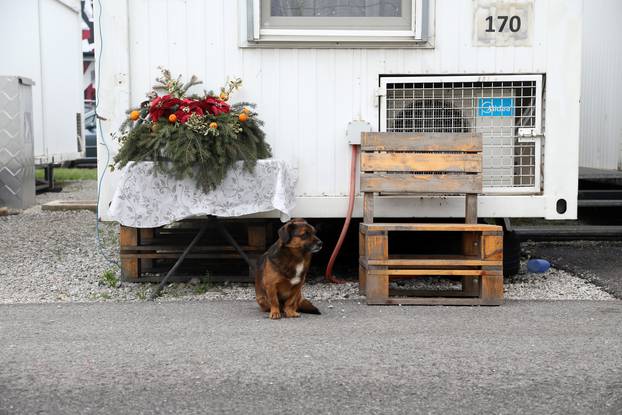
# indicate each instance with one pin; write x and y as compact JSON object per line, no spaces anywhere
{"x":275,"y":315}
{"x":291,"y":314}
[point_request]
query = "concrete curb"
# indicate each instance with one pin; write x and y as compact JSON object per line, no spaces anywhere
{"x":64,"y":205}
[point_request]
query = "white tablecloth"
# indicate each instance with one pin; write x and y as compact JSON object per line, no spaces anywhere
{"x":147,"y":200}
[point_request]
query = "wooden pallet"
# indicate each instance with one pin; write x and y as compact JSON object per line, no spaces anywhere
{"x":479,"y":265}
{"x":410,"y":163}
{"x":148,"y":253}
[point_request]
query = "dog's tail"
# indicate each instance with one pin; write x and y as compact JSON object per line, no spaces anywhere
{"x":306,"y":307}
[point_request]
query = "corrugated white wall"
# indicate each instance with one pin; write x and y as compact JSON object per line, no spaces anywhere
{"x":601,"y":85}
{"x":41,"y":40}
{"x":307,"y":96}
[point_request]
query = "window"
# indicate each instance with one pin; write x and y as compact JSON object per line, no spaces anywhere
{"x":337,"y":20}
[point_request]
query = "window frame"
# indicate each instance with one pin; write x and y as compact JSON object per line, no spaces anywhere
{"x":417,"y":35}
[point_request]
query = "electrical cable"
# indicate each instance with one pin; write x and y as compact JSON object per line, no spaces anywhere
{"x":100,"y":132}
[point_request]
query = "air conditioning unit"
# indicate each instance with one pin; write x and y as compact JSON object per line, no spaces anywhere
{"x":505,"y":109}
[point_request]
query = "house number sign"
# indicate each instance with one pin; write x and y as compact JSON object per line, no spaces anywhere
{"x":502,"y":23}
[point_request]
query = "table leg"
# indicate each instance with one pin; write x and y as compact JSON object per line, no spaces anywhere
{"x":179,"y":261}
{"x":233,"y":243}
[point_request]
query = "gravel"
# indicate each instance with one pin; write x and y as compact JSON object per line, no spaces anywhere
{"x":54,"y":257}
{"x":555,"y":284}
{"x":596,"y":261}
{"x":78,"y":190}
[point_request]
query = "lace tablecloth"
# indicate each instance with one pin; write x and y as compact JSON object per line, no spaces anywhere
{"x":147,"y":200}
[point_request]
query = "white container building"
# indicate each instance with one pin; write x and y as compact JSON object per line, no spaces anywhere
{"x":41,"y":40}
{"x":510,"y":70}
{"x":601,"y":86}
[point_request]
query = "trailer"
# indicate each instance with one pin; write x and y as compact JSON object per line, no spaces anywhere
{"x":601,"y":87}
{"x":41,"y":40}
{"x":510,"y":70}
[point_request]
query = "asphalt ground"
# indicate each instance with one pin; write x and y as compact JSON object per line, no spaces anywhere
{"x":599,"y":262}
{"x":558,"y":357}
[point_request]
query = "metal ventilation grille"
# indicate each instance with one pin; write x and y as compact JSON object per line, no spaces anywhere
{"x":496,"y":109}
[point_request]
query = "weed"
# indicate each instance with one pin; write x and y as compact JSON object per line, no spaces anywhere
{"x":205,"y":285}
{"x":100,"y":296}
{"x":141,"y":294}
{"x":109,"y":278}
{"x":202,"y":288}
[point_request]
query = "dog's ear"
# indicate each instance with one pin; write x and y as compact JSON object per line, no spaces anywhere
{"x":285,"y":232}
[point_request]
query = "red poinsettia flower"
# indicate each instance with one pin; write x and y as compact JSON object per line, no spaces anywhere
{"x":187,"y":107}
{"x":161,"y":106}
{"x":215,"y":106}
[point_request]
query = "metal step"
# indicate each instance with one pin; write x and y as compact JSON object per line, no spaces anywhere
{"x":599,"y":194}
{"x":587,"y":173}
{"x":568,"y":232}
{"x":599,"y":203}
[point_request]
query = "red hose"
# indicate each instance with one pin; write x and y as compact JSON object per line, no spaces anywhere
{"x":329,"y":268}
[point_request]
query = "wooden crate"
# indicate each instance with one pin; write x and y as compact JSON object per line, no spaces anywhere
{"x":148,"y":253}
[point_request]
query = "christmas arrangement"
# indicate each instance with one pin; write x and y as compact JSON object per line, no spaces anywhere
{"x":197,"y":136}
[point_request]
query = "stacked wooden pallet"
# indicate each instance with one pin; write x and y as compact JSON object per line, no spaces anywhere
{"x":441,"y":163}
{"x":479,"y":264}
{"x":148,"y":253}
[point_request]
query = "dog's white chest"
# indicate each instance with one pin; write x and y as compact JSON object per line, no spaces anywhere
{"x":299,"y":268}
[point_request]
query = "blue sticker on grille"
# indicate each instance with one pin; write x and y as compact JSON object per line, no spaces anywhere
{"x":496,"y":107}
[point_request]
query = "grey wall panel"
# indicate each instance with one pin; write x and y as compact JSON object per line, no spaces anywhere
{"x":17,"y":181}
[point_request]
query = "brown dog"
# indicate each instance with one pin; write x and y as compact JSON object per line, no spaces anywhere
{"x":281,"y":271}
